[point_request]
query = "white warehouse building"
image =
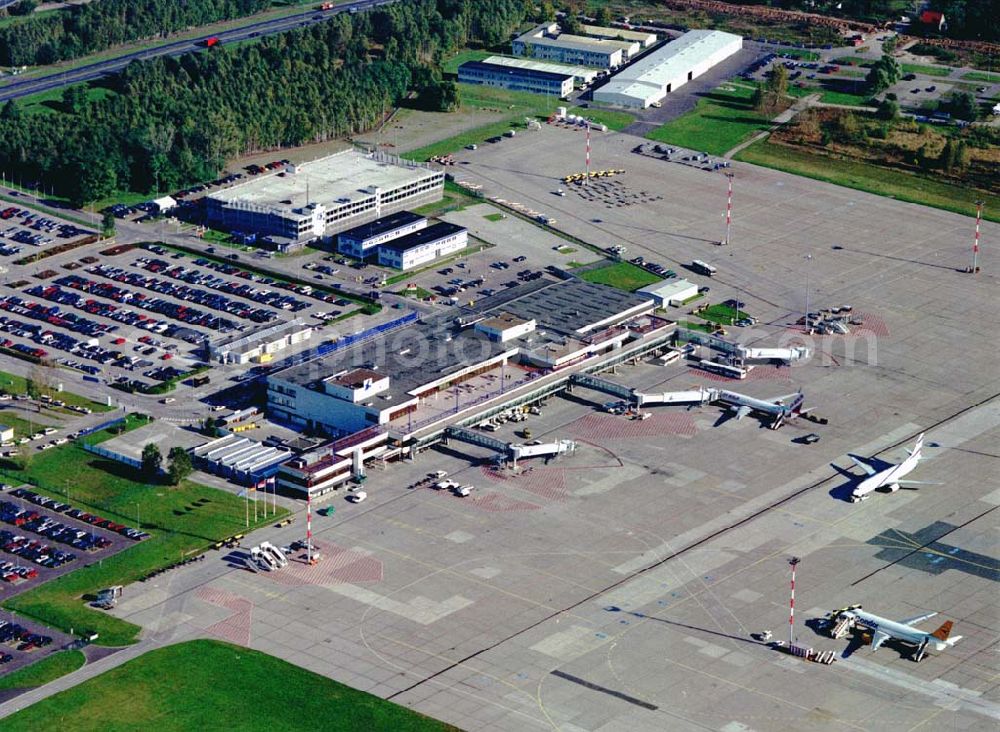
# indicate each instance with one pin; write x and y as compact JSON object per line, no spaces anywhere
{"x":422,"y":246}
{"x":650,"y":79}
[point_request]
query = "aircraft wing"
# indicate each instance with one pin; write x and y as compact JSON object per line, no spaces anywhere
{"x":916,"y":482}
{"x":878,"y":639}
{"x":863,"y":465}
{"x":784,"y":399}
{"x":743,"y":412}
{"x":917,"y":619}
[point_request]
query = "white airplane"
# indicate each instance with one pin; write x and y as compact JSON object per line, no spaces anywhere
{"x":780,"y":408}
{"x":883,"y":629}
{"x":891,"y":476}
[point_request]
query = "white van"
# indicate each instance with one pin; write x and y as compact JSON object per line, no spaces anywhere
{"x":357,"y":497}
{"x":463,"y":491}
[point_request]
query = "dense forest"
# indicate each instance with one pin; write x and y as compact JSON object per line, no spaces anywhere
{"x":43,"y":38}
{"x":172,"y":121}
{"x":966,"y":19}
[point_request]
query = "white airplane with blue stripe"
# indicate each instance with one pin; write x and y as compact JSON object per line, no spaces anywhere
{"x":890,"y":477}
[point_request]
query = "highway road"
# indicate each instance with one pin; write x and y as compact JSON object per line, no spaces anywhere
{"x":89,"y":72}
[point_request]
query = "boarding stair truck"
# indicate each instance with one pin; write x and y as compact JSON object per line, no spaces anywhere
{"x":261,"y":560}
{"x":269,"y":549}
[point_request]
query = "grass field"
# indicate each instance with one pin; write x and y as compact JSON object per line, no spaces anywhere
{"x":517,"y":105}
{"x":721,"y":120}
{"x":208,"y":685}
{"x":719,"y":313}
{"x":451,"y":65}
{"x":22,"y":427}
{"x":871,"y":178}
{"x":623,"y":275}
{"x":982,"y":76}
{"x":926,"y":70}
{"x":48,"y":669}
{"x":14,"y":384}
{"x":181,"y":520}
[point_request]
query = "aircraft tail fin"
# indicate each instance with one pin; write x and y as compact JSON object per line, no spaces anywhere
{"x":917,"y":447}
{"x":944,"y":631}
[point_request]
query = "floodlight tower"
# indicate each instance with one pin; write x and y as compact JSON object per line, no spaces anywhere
{"x":791,"y":606}
{"x":975,"y":243}
{"x":729,"y":208}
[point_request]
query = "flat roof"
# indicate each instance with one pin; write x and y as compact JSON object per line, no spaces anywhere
{"x":540,"y":35}
{"x":382,"y":225}
{"x":331,"y":181}
{"x":569,"y":306}
{"x":628,"y":35}
{"x":560,"y":308}
{"x":356,"y":378}
{"x":423,"y":236}
{"x":502,"y":321}
{"x":512,"y":71}
{"x":520,"y":62}
{"x":666,"y":288}
{"x":674,"y":60}
{"x":244,"y":342}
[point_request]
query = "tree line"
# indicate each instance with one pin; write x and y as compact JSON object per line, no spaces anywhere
{"x":44,"y":38}
{"x":172,"y":121}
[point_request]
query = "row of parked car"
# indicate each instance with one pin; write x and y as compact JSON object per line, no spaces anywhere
{"x":306,"y":290}
{"x":41,"y":223}
{"x":31,"y":520}
{"x":53,"y":293}
{"x":271,"y":298}
{"x":210,"y":300}
{"x":657,"y":269}
{"x":53,"y":315}
{"x":26,"y":640}
{"x":182,"y":313}
{"x":101,"y":523}
{"x":34,"y":551}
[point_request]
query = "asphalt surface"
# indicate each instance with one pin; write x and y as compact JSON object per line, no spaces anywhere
{"x":100,"y":69}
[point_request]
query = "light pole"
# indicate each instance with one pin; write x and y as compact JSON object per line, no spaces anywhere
{"x":729,"y":207}
{"x":975,"y":244}
{"x":808,"y":262}
{"x":791,"y":606}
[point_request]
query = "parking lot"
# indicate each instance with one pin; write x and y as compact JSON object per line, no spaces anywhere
{"x":24,"y":232}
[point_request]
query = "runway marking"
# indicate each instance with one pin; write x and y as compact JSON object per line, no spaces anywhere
{"x":943,"y":692}
{"x":604,"y":690}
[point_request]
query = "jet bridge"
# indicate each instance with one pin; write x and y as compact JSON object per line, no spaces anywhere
{"x":695,"y":396}
{"x":792,"y":354}
{"x":509,"y":450}
{"x":589,"y":381}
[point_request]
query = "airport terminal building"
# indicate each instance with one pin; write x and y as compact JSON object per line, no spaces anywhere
{"x":315,"y":200}
{"x":650,"y":79}
{"x":400,"y":380}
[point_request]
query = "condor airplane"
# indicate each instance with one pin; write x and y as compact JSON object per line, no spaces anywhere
{"x":882,"y":629}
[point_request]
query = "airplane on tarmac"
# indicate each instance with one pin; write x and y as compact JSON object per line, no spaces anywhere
{"x":891,"y":476}
{"x":882,"y":629}
{"x":780,"y":408}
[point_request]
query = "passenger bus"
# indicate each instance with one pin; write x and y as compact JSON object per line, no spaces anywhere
{"x":702,"y":268}
{"x":732,"y":372}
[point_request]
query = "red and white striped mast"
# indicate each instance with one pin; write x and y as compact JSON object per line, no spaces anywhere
{"x":729,"y":207}
{"x":309,"y":529}
{"x":587,"y":179}
{"x":791,"y":607}
{"x":975,"y":244}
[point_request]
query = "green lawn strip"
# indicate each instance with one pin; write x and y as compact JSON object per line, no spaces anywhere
{"x":50,"y":102}
{"x":694,"y":325}
{"x":926,"y":70}
{"x":42,"y":672}
{"x":494,"y":217}
{"x":418,"y":292}
{"x":719,"y":122}
{"x":800,"y":53}
{"x":22,"y":427}
{"x":14,"y":384}
{"x":451,"y":65}
{"x":621,"y":275}
{"x":517,"y":104}
{"x":872,"y":178}
{"x":722,"y":314}
{"x":853,"y":61}
{"x":982,"y":76}
{"x":202,"y":685}
{"x":846,"y":98}
{"x":182,"y":520}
